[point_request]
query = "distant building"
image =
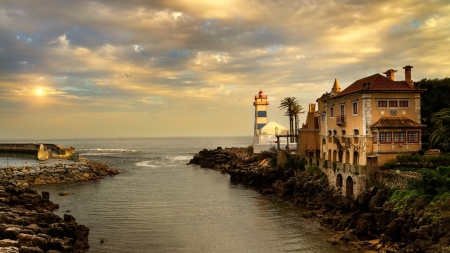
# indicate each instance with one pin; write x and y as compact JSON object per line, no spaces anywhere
{"x":308,"y":143}
{"x":261,"y":108}
{"x":371,"y":121}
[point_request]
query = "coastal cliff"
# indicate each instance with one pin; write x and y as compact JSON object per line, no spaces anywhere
{"x":371,"y":222}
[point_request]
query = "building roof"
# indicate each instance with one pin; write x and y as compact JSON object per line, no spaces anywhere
{"x":376,"y":82}
{"x":396,"y":122}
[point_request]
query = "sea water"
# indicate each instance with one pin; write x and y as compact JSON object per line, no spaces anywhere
{"x":159,"y":204}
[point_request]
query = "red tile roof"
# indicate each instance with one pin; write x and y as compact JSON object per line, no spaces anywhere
{"x":377,"y":83}
{"x":396,"y":122}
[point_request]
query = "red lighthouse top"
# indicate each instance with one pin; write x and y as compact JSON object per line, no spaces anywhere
{"x":261,"y":95}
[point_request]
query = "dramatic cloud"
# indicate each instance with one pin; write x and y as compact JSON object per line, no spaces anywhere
{"x":164,"y":68}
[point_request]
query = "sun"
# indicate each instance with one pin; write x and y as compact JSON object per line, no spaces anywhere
{"x":40,"y":92}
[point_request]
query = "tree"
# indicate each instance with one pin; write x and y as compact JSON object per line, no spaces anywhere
{"x":441,"y":120}
{"x":296,"y":110}
{"x":433,"y":100}
{"x":292,"y":108}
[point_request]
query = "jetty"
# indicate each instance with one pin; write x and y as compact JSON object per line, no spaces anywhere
{"x":43,"y":151}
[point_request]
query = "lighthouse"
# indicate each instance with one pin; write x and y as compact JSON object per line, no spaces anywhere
{"x":261,"y":117}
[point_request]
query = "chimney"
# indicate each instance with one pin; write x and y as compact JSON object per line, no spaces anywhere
{"x":312,"y":107}
{"x":408,"y":74}
{"x":390,"y":74}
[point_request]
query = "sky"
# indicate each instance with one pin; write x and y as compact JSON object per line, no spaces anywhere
{"x":149,"y":68}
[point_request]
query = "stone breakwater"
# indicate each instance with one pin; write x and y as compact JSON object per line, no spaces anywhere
{"x":55,"y":174}
{"x":368,"y":223}
{"x":28,"y":225}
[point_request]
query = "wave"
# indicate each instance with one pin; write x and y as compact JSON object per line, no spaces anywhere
{"x":146,"y":164}
{"x":97,"y":154}
{"x":182,"y":158}
{"x":164,"y":161}
{"x":110,"y":149}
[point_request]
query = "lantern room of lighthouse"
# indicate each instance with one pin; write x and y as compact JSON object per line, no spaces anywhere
{"x":261,"y":107}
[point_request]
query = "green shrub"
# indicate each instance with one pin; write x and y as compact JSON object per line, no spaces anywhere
{"x":313,"y":169}
{"x":294,"y":162}
{"x":250,"y":149}
{"x":273,"y":162}
{"x":433,"y":188}
{"x":389,"y":166}
{"x":266,"y":154}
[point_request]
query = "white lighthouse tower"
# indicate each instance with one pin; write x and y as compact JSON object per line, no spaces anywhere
{"x":261,"y":107}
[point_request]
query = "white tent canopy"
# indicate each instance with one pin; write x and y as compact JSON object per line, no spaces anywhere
{"x":269,"y":129}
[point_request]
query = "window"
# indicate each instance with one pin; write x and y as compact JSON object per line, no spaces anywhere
{"x":262,"y":114}
{"x":399,"y":137}
{"x":393,"y":103}
{"x":393,"y":112}
{"x":375,"y":137}
{"x":323,"y":117}
{"x":355,"y":108}
{"x":404,"y":103}
{"x":382,"y":104}
{"x":413,"y":136}
{"x":331,"y":112}
{"x":342,"y":110}
{"x":385,"y":137}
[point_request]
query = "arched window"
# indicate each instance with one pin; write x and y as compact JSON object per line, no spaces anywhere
{"x":349,"y":187}
{"x":355,"y":158}
{"x":339,"y":180}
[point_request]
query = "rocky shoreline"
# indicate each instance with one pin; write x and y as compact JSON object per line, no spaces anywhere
{"x":27,"y":222}
{"x":368,"y":223}
{"x":26,"y":176}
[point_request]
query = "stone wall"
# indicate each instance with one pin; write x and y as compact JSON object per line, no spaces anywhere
{"x":351,"y":180}
{"x":395,"y":179}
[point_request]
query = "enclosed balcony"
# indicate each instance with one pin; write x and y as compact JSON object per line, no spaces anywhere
{"x":340,"y":120}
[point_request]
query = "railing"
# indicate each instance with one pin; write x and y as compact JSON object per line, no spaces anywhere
{"x":340,"y":120}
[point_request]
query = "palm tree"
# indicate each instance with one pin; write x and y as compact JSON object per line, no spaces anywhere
{"x":292,"y":110}
{"x":296,"y":110}
{"x":441,"y":120}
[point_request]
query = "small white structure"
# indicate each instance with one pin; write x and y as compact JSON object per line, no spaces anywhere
{"x":266,"y":138}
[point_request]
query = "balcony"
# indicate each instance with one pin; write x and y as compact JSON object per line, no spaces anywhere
{"x":340,"y":120}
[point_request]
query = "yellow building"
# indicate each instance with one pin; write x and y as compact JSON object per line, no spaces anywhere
{"x":308,"y":143}
{"x":371,"y":121}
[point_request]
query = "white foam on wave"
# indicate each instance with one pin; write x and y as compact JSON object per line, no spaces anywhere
{"x":146,"y":164}
{"x":110,"y":149}
{"x":182,"y":158}
{"x":97,"y":154}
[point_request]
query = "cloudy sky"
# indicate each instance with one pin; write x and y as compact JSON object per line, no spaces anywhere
{"x":195,"y":66}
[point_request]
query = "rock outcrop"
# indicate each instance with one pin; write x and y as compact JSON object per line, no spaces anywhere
{"x":27,"y":224}
{"x":55,"y":174}
{"x":368,"y":223}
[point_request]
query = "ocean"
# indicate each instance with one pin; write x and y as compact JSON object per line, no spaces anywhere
{"x":159,"y":204}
